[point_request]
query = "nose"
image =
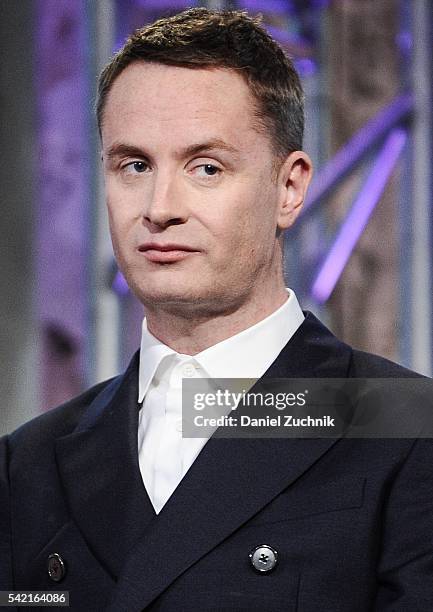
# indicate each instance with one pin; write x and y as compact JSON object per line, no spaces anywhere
{"x":165,"y":205}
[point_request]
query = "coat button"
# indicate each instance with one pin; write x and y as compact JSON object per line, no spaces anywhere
{"x":56,"y":567}
{"x":263,"y":558}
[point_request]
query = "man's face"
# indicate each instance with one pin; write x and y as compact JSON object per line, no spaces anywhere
{"x":191,"y":192}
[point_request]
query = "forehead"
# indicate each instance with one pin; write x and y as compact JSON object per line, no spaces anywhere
{"x":150,"y":99}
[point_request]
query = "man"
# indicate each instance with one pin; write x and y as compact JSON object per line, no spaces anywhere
{"x":201,"y":128}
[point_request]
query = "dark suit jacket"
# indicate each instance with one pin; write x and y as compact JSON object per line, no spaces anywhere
{"x":351,"y":519}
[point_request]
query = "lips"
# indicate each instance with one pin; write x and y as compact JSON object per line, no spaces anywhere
{"x":166,"y":253}
{"x":153,"y":246}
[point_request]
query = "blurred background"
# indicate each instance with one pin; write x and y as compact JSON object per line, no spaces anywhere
{"x":360,"y":257}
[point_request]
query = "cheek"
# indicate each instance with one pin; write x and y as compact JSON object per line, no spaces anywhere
{"x":256,"y":222}
{"x":114,"y":222}
{"x":118,"y":231}
{"x":120,"y":211}
{"x":240,"y":240}
{"x":123,"y":201}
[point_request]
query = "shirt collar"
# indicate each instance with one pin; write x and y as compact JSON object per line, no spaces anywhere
{"x":152,"y":352}
{"x":247,"y":354}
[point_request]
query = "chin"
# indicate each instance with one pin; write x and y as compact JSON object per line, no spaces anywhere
{"x":181,"y":299}
{"x":157,"y":294}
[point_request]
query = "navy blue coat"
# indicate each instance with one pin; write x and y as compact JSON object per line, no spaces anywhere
{"x":351,"y":519}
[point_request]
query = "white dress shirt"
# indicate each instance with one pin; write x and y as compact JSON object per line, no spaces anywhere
{"x":164,"y":455}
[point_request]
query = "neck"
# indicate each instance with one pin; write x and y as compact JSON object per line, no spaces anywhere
{"x":192,"y":333}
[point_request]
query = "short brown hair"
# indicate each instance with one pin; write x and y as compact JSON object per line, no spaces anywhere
{"x":201,"y":38}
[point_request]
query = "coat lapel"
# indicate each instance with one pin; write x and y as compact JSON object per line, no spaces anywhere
{"x":98,"y":465}
{"x":230,"y":481}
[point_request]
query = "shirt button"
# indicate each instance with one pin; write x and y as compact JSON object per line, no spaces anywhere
{"x":188,"y":370}
{"x":263,"y":558}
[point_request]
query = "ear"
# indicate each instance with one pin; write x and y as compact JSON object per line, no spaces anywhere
{"x":293,"y":179}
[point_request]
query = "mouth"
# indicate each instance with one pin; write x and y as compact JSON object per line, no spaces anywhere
{"x":166,"y":253}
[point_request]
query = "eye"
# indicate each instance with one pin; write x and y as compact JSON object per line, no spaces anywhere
{"x":210,"y":170}
{"x":135,"y":167}
{"x":207,"y":170}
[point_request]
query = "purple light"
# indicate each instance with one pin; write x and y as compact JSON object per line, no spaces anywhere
{"x":268,"y":6}
{"x":305,"y":66}
{"x":405,"y":42}
{"x":165,"y":4}
{"x":320,"y":4}
{"x":351,"y":153}
{"x":357,"y":219}
{"x":298,"y":45}
{"x":120,"y":285}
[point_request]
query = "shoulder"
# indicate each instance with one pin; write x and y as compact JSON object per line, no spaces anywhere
{"x":58,"y":421}
{"x":37,"y":437}
{"x":365,"y":365}
{"x":317,"y":349}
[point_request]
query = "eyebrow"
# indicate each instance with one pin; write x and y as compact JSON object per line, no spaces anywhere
{"x":214,"y":144}
{"x":123,"y":150}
